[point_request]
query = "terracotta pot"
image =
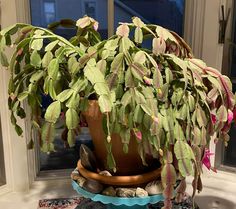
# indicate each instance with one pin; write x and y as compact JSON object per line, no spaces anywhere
{"x":127,"y":164}
{"x":132,"y":180}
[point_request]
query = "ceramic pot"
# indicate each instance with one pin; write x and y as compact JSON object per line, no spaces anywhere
{"x":127,"y":164}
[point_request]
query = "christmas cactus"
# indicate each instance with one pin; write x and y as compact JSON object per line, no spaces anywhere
{"x":173,"y":103}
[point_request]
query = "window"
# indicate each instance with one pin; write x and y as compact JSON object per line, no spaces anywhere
{"x":167,"y":13}
{"x":229,"y":63}
{"x":90,"y":8}
{"x":49,"y":12}
{"x":2,"y":164}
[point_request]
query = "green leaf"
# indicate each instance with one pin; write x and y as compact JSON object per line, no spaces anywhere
{"x":138,"y":70}
{"x":3,"y":59}
{"x":169,"y":75}
{"x":101,"y":89}
{"x":101,"y":65}
{"x":157,"y":78}
{"x":168,"y":174}
{"x":105,"y":103}
{"x":22,"y":96}
{"x":165,"y":34}
{"x":72,"y":119}
{"x":129,"y":79}
{"x":37,"y":44}
{"x":53,"y":112}
{"x":94,"y":75}
{"x":138,"y":114}
{"x":48,"y":132}
{"x":139,"y":97}
{"x":191,"y":103}
{"x":126,"y":99}
{"x":47,"y":59}
{"x":116,"y":67}
{"x":51,"y":45}
{"x":18,"y":130}
{"x":138,"y":35}
{"x":184,"y":155}
{"x":35,"y":59}
{"x":197,"y":135}
{"x":71,"y":138}
{"x":201,"y":117}
{"x":140,"y":57}
{"x":53,"y":68}
{"x":64,"y":95}
{"x":138,"y":22}
{"x":185,"y":167}
{"x":36,"y":76}
{"x":182,"y":150}
{"x":73,"y":101}
{"x":222,"y":113}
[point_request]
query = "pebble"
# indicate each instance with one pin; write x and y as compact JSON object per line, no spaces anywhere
{"x":105,"y":173}
{"x":88,"y":159}
{"x":92,"y":186}
{"x":154,"y":187}
{"x":109,"y":191}
{"x":77,"y":177}
{"x":141,"y":192}
{"x":125,"y":192}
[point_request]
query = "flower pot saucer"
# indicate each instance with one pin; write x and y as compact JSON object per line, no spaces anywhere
{"x":119,"y":202}
{"x":132,"y":180}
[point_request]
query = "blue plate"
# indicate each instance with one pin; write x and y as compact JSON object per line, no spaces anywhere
{"x":133,"y":202}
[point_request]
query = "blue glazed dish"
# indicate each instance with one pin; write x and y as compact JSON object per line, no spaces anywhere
{"x":118,"y":202}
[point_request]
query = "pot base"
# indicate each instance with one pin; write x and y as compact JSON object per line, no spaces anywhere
{"x":132,"y":180}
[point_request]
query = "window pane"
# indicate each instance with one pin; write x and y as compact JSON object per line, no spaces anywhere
{"x":230,"y":154}
{"x":64,"y":157}
{"x":167,"y":13}
{"x":2,"y":164}
{"x":44,"y":12}
{"x":229,"y":157}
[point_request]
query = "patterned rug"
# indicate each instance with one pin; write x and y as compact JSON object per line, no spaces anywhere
{"x":82,"y":203}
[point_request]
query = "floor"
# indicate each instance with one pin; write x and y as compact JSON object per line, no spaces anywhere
{"x":219,"y":193}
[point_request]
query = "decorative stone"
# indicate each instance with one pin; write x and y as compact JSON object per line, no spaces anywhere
{"x":154,"y":187}
{"x":87,"y":158}
{"x":92,"y":186}
{"x":141,"y":192}
{"x":125,"y":192}
{"x":105,"y":173}
{"x":77,"y":177}
{"x":109,"y":191}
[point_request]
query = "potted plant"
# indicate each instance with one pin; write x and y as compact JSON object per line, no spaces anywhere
{"x":146,"y":92}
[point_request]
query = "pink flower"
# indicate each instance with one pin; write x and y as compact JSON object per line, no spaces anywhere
{"x":213,"y":118}
{"x":147,"y":80}
{"x":206,"y":160}
{"x":138,"y":134}
{"x":230,"y":116}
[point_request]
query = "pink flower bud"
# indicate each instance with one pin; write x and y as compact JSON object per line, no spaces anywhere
{"x":138,"y":134}
{"x":147,"y":80}
{"x":230,"y":116}
{"x":213,"y":118}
